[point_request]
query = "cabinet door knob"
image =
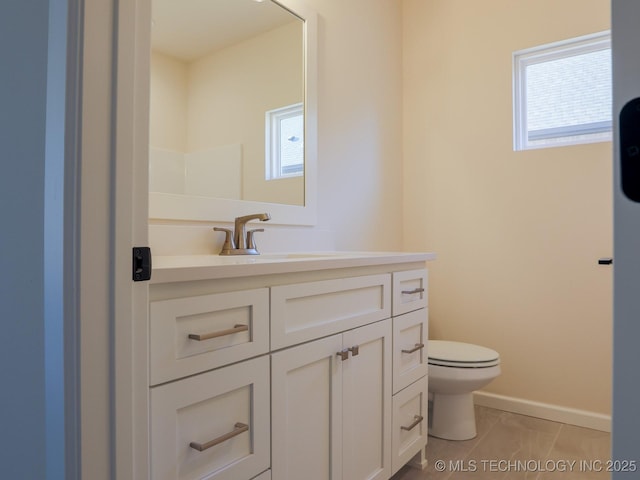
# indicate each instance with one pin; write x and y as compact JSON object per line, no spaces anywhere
{"x":355,"y":350}
{"x":344,"y":355}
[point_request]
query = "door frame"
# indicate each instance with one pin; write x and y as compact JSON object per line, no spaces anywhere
{"x":626,"y":319}
{"x":112,"y":175}
{"x":111,"y":203}
{"x":131,"y":213}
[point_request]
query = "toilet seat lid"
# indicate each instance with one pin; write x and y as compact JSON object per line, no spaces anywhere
{"x":445,"y":352}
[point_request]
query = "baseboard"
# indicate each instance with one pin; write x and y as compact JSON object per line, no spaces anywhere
{"x":546,"y":411}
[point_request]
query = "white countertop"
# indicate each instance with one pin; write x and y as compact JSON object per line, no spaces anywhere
{"x":181,"y":268}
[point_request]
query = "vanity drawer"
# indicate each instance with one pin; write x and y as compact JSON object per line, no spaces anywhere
{"x":410,"y":423}
{"x":194,"y":334}
{"x":306,"y":311}
{"x":410,"y":361}
{"x":229,"y":408}
{"x":409,"y":291}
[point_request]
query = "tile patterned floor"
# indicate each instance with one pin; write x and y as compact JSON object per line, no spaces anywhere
{"x":510,"y":446}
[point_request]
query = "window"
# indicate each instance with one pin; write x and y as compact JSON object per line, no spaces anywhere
{"x":284,"y":146}
{"x":562,"y":93}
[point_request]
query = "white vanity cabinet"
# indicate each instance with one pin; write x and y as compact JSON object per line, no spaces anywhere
{"x":331,"y":407}
{"x":410,"y":368}
{"x":360,"y":430}
{"x":332,"y":395}
{"x":209,"y":422}
{"x":287,"y":373}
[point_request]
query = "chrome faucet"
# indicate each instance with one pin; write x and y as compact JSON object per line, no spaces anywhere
{"x":241,"y":241}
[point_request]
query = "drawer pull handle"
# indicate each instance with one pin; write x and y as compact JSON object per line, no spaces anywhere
{"x":221,"y":333}
{"x":416,"y":420}
{"x":239,"y":428}
{"x":419,"y":346}
{"x":411,"y":292}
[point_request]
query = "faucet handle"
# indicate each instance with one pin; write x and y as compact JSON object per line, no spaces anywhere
{"x":228,"y":239}
{"x":251,"y":243}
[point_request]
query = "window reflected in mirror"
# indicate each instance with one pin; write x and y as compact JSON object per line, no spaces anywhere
{"x":284,"y":150}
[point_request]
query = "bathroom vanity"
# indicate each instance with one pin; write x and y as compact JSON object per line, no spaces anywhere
{"x":287,"y":367}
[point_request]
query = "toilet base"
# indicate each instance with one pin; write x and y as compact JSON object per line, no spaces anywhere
{"x":452,"y":416}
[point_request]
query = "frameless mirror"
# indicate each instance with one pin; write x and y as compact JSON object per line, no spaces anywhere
{"x":232,"y":110}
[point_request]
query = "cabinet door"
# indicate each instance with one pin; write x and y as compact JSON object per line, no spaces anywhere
{"x":409,"y":291}
{"x":410,"y":422}
{"x":214,"y":425}
{"x":367,"y":403}
{"x":410,"y":360}
{"x":306,"y":415}
{"x":306,"y":311}
{"x":194,"y":334}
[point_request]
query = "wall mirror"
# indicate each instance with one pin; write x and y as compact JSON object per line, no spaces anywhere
{"x":232,"y":125}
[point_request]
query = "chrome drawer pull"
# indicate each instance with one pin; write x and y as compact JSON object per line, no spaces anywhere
{"x":416,"y":421}
{"x":419,"y":346}
{"x":221,"y":333}
{"x":239,"y":428}
{"x":411,"y":292}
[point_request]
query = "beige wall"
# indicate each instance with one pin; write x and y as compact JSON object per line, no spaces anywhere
{"x":168,"y":97}
{"x":517,"y":234}
{"x":229,"y":93}
{"x":359,"y":140}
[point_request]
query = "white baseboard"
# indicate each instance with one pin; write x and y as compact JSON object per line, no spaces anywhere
{"x":546,"y":411}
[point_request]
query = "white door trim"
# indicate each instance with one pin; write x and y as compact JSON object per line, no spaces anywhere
{"x":130,"y":302}
{"x":112,"y":203}
{"x":626,"y":86}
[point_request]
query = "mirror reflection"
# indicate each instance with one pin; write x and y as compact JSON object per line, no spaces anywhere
{"x":226,"y":100}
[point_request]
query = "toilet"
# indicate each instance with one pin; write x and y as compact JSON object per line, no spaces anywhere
{"x":456,"y":370}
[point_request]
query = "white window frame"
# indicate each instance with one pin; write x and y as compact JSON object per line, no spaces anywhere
{"x":544,"y":53}
{"x":273,"y":119}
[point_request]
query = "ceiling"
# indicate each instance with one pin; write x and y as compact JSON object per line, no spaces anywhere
{"x":190,"y":29}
